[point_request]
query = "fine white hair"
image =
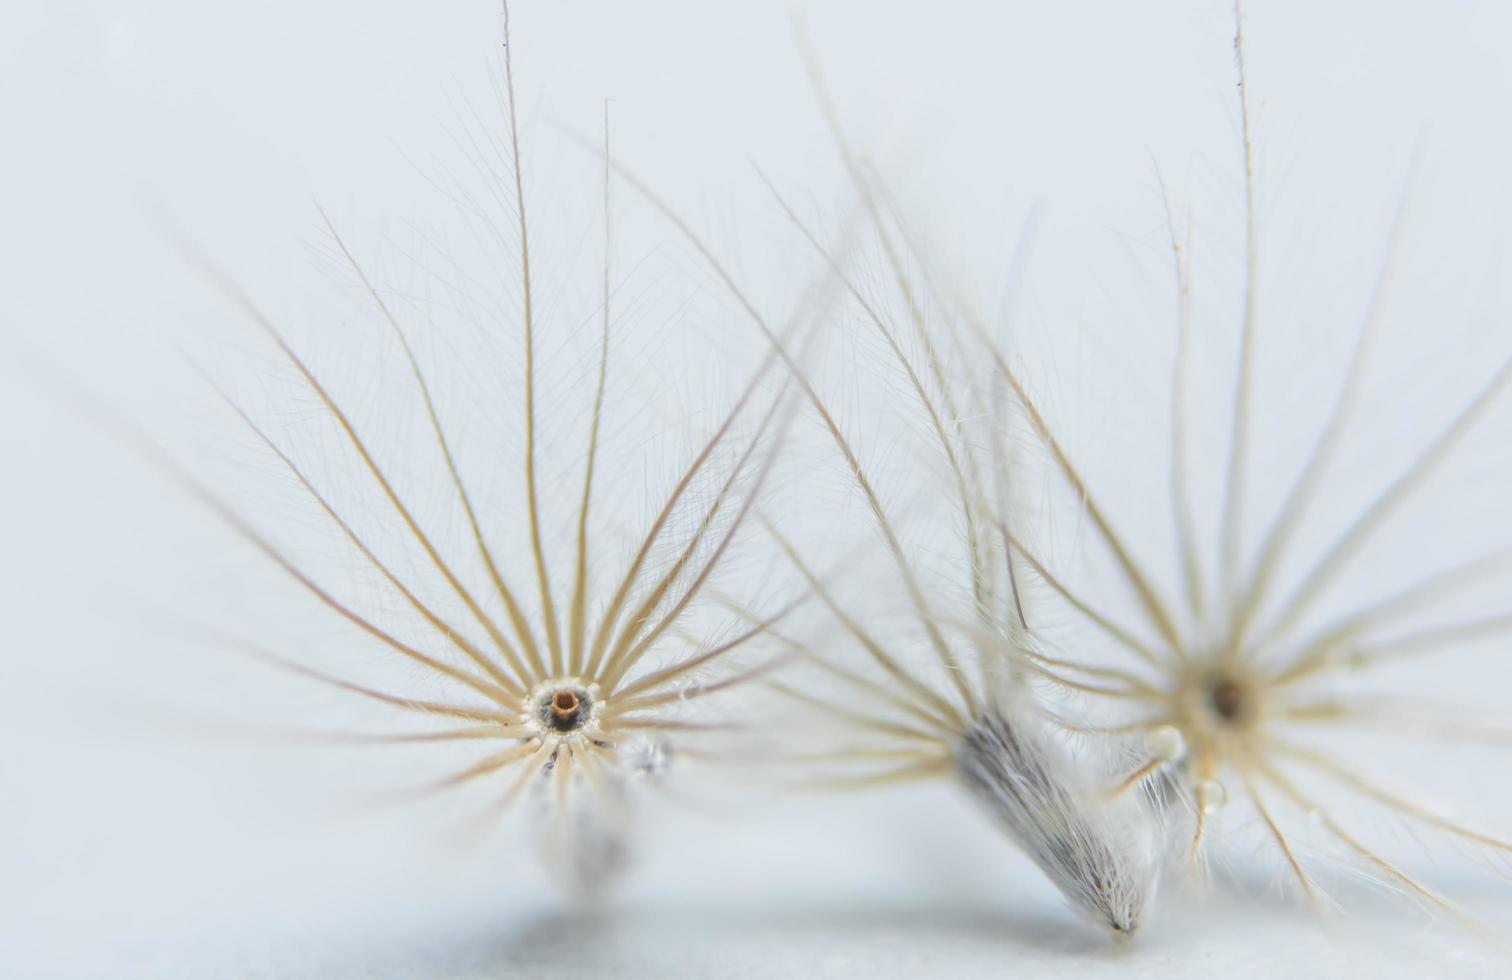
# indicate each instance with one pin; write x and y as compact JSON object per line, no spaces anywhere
{"x":1099,"y":850}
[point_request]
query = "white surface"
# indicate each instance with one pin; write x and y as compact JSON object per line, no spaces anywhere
{"x":129,"y":847}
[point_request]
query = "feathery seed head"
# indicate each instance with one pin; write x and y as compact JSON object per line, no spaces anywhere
{"x":1225,"y":688}
{"x":565,"y":660}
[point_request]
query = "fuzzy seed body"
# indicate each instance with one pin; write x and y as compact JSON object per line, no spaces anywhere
{"x":1030,"y":787}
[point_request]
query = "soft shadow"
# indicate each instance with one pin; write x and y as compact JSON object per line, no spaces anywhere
{"x":872,"y":937}
{"x":667,"y":941}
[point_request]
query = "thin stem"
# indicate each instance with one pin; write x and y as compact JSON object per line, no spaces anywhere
{"x":513,"y":684}
{"x":1233,"y":498}
{"x":575,"y":639}
{"x":548,"y":608}
{"x":1359,"y":532}
{"x":1311,"y":478}
{"x":1181,"y":498}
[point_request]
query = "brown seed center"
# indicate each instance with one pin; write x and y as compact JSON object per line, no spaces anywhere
{"x":1227,"y":698}
{"x":564,"y":707}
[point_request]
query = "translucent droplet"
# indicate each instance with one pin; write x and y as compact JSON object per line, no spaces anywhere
{"x":1165,"y":743}
{"x":1211,"y":795}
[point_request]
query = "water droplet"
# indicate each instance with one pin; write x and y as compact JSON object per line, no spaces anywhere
{"x":1211,"y":795}
{"x":1165,"y":743}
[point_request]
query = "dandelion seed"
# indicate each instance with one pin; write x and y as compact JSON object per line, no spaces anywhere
{"x":578,"y":692}
{"x":1222,"y":721}
{"x":1243,"y":687}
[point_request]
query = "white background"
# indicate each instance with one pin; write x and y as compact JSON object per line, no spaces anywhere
{"x":132,"y":847}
